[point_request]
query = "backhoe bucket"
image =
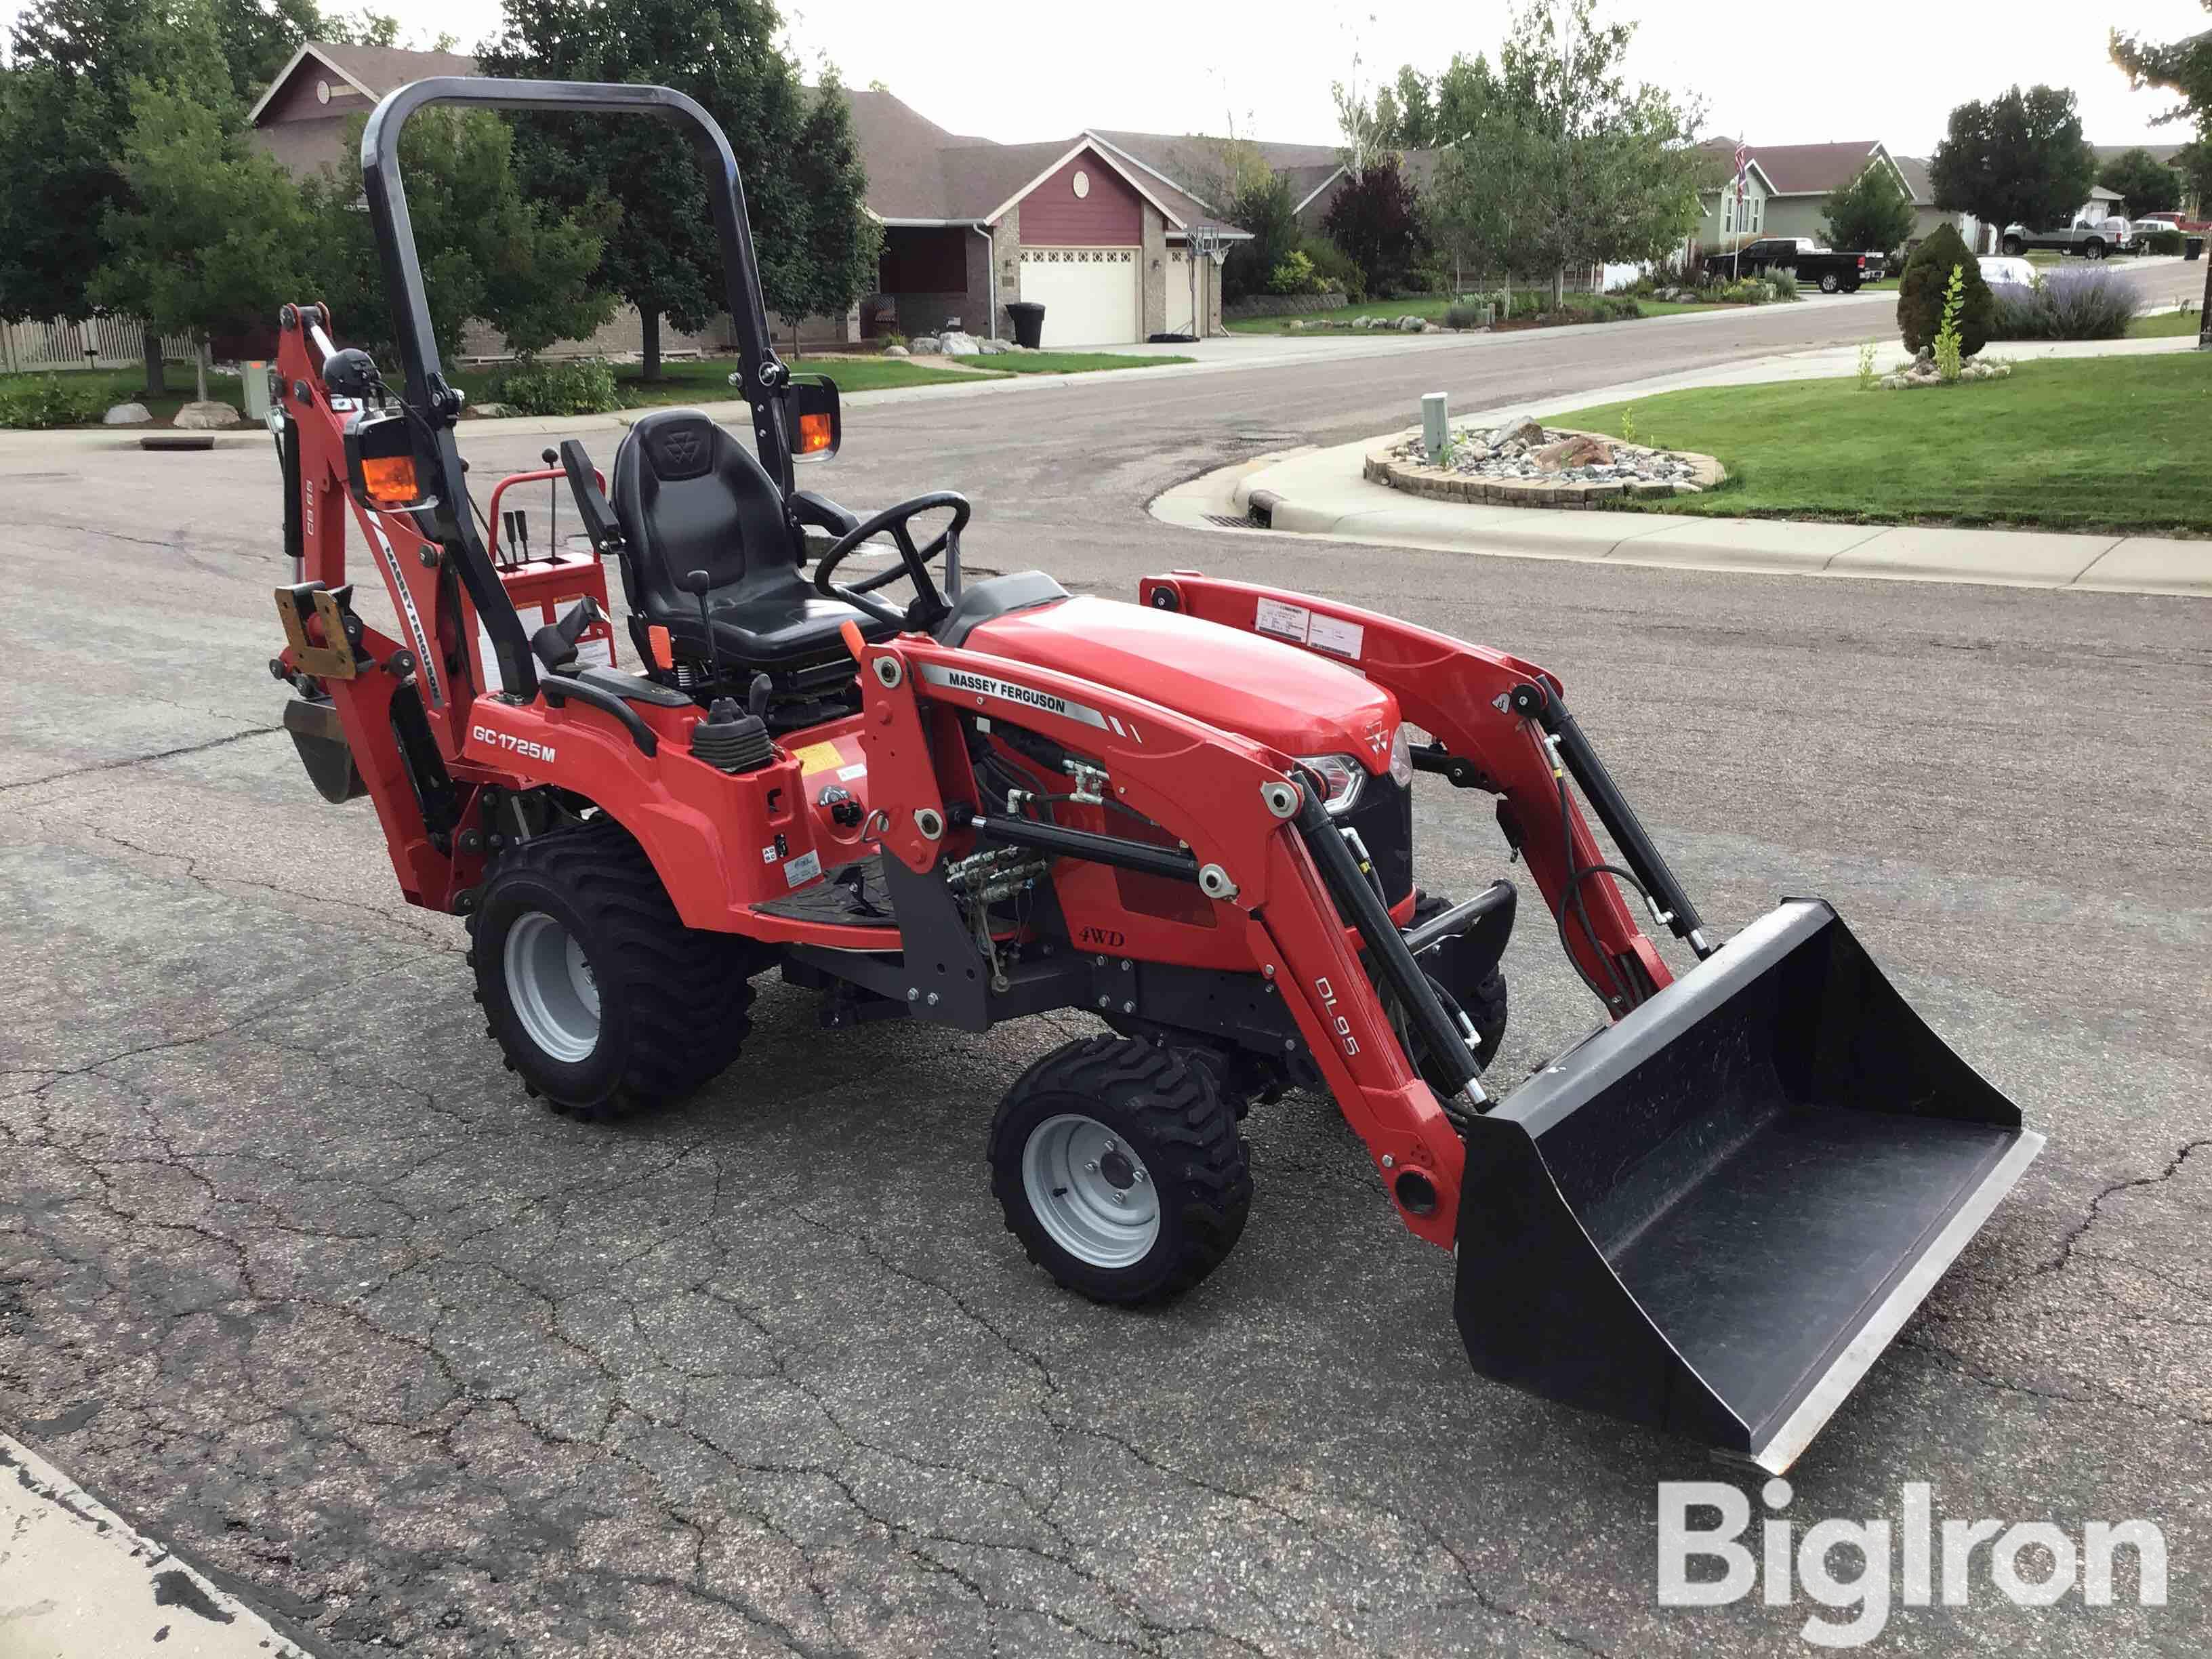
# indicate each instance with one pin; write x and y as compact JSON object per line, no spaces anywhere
{"x":1711,"y":1217}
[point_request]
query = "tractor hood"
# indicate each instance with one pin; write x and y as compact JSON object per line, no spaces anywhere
{"x":1278,"y":694}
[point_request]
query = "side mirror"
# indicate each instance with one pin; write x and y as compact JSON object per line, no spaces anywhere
{"x":381,"y":468}
{"x":817,"y":428}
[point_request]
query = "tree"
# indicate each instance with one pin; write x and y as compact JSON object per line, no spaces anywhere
{"x":1921,"y":292}
{"x":1376,"y":220}
{"x":830,"y":261}
{"x":2017,"y":159}
{"x":1614,"y":174}
{"x":1871,"y":212}
{"x":1479,"y":211}
{"x":665,"y":259}
{"x":2148,"y":184}
{"x":213,"y":231}
{"x":489,"y":251}
{"x":1264,"y":206}
{"x":2193,"y":162}
{"x":2183,"y":67}
{"x":66,"y":113}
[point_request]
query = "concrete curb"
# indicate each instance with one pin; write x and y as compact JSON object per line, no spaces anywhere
{"x":77,"y":1582}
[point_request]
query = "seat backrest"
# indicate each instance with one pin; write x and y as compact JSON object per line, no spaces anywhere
{"x":690,"y":498}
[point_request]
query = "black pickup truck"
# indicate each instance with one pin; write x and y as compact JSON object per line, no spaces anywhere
{"x":1833,"y":272}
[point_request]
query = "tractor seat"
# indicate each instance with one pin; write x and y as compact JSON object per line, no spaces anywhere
{"x":689,"y":497}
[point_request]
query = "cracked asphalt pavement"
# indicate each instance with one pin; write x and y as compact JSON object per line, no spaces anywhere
{"x":294,"y":1277}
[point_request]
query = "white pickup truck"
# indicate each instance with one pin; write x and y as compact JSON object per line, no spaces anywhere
{"x":2093,"y":238}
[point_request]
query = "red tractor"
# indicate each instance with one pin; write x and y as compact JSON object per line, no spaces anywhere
{"x":1190,"y":816}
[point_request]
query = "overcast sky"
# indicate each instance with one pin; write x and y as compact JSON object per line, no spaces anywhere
{"x":1889,"y":69}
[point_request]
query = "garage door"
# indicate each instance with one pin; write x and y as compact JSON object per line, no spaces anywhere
{"x":1180,"y":294}
{"x":1088,"y":293}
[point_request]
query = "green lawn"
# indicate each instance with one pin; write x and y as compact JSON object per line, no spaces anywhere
{"x":2167,"y":326}
{"x":1067,"y":362}
{"x":1430,"y":308}
{"x":128,"y":386}
{"x":2081,"y":444}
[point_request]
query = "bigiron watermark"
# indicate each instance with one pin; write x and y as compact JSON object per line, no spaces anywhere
{"x":1915,"y":1561}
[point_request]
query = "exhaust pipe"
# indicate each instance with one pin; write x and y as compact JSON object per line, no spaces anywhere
{"x":1712,"y":1217}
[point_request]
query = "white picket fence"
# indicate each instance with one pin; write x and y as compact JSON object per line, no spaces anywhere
{"x":100,"y":342}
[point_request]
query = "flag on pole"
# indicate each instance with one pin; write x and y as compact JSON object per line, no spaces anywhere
{"x":1742,"y":166}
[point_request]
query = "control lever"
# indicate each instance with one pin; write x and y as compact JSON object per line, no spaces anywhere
{"x":555,"y":644}
{"x":757,"y":696}
{"x":551,"y":457}
{"x":698,"y":584}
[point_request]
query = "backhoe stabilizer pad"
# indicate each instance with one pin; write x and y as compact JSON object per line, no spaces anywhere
{"x":1712,"y":1217}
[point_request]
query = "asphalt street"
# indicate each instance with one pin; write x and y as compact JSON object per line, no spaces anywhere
{"x":294,"y":1277}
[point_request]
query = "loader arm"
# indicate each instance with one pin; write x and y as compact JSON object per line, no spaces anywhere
{"x":1259,"y":845}
{"x":1493,"y":715}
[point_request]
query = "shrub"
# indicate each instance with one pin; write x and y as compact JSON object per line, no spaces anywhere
{"x":1784,"y":283}
{"x":574,"y":385}
{"x":1468,"y":314}
{"x":1335,"y":269}
{"x":1920,"y":293}
{"x":51,"y":400}
{"x":2163,"y":241}
{"x":1948,"y":354}
{"x":1614,"y":309}
{"x":2067,"y":305}
{"x":1293,"y":274}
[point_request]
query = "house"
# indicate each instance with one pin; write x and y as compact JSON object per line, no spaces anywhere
{"x":1785,"y":186}
{"x":1926,"y":215}
{"x":1100,"y":228}
{"x":1094,"y":227}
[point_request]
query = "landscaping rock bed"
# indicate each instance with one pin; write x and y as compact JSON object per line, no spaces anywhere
{"x":1521,"y":464}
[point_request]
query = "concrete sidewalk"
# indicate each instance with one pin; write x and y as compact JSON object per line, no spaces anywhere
{"x":77,"y":1583}
{"x":1322,"y":493}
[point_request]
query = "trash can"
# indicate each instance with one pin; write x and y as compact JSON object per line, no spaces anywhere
{"x":1029,"y":323}
{"x":2192,"y":247}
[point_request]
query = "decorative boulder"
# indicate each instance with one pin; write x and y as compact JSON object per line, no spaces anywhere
{"x":207,"y":416}
{"x":1577,"y":449}
{"x":993,"y":348}
{"x":956,"y":344}
{"x":1522,"y":431}
{"x":897,"y":351}
{"x":1409,"y":326}
{"x":923,"y":345}
{"x":127,"y":415}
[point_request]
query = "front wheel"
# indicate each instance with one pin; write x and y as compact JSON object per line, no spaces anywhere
{"x":1830,"y":283}
{"x":601,"y":1000}
{"x":2014,"y":246}
{"x":1119,"y":1168}
{"x":2094,"y":250}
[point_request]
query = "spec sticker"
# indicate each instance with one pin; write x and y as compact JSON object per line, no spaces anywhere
{"x":1341,"y":639}
{"x":847,"y":773}
{"x":802,"y":869}
{"x":818,"y":757}
{"x":1284,"y":621}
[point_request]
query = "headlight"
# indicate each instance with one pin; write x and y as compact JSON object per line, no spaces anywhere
{"x":1341,"y":776}
{"x":1401,"y":758}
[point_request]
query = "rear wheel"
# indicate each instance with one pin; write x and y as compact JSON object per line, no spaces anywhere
{"x":1119,"y":1168}
{"x":600,"y":998}
{"x":2093,"y":249}
{"x":1830,"y":283}
{"x":2013,"y":244}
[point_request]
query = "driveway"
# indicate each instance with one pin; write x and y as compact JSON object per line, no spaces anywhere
{"x":294,"y":1278}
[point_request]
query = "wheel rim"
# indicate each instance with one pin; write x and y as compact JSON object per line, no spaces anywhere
{"x":1090,"y":1191}
{"x":550,"y":983}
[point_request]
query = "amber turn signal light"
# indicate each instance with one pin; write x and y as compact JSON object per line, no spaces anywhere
{"x":813,"y":434}
{"x":390,"y":480}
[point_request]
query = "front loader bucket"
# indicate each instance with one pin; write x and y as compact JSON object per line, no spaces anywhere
{"x":1711,"y":1217}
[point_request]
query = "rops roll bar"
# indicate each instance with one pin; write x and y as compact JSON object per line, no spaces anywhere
{"x":762,"y":374}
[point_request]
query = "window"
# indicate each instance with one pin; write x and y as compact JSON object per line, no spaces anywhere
{"x":1728,"y":211}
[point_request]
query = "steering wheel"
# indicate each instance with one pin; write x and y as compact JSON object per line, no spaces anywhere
{"x":913,"y":562}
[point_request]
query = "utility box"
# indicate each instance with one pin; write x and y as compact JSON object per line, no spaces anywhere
{"x":253,"y":377}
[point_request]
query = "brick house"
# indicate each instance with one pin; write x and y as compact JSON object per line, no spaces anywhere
{"x":1099,"y":228}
